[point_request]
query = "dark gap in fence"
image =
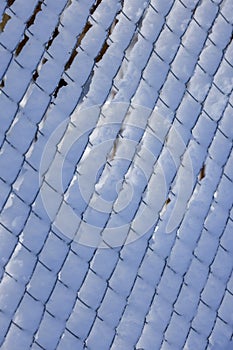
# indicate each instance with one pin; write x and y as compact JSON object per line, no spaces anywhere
{"x":21,"y":45}
{"x":5,"y":19}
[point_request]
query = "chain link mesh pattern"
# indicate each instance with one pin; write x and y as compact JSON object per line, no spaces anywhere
{"x":163,"y":291}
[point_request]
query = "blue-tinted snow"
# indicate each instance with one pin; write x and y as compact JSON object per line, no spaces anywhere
{"x":23,"y":12}
{"x":26,"y":319}
{"x":155,"y":293}
{"x":17,"y":338}
{"x":14,"y":29}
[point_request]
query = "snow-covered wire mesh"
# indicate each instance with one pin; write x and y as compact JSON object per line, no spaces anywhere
{"x":116,"y":174}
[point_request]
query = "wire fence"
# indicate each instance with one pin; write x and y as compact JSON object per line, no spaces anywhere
{"x":116,"y":174}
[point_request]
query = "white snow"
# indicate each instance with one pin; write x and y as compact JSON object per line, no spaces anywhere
{"x":16,"y":87}
{"x":81,"y":320}
{"x":14,"y":214}
{"x":34,"y":233}
{"x":167,"y":39}
{"x":213,"y":300}
{"x":42,"y":283}
{"x":8,"y":243}
{"x":61,"y":301}
{"x":21,"y":264}
{"x":11,"y":293}
{"x":100,"y":334}
{"x":24,"y":316}
{"x":13,"y":31}
{"x":178,"y":18}
{"x":73,"y":266}
{"x":5,"y":60}
{"x":24,"y":12}
{"x":189,"y":297}
{"x":129,"y":246}
{"x":21,"y":133}
{"x":52,"y":247}
{"x":55,"y":326}
{"x":206,"y":13}
{"x":17,"y":339}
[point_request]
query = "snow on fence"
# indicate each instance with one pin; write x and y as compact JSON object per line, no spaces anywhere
{"x":116,"y":181}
